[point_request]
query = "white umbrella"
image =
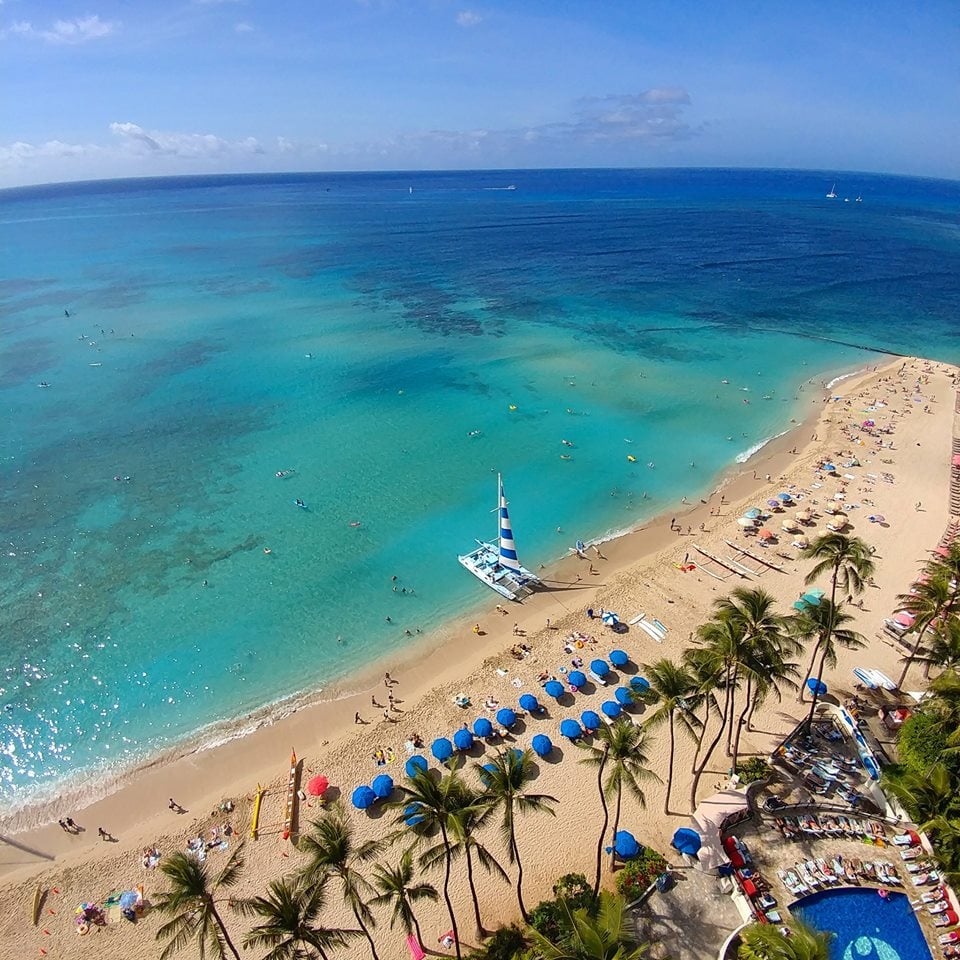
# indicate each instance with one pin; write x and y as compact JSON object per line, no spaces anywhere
{"x":745,"y":522}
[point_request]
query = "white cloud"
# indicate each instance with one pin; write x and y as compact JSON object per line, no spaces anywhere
{"x":70,"y":32}
{"x":187,"y":146}
{"x":243,"y":27}
{"x":468,"y":18}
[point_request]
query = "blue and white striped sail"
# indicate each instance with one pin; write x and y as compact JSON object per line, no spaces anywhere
{"x":508,"y":549}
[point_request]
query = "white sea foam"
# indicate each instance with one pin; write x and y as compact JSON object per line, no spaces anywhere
{"x":745,"y":455}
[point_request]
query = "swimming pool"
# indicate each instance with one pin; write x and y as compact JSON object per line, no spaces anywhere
{"x":867,"y":927}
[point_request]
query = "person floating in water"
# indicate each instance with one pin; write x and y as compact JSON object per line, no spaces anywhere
{"x":299,"y":502}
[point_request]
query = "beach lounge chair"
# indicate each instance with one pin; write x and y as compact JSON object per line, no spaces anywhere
{"x":597,"y":679}
{"x":941,"y":906}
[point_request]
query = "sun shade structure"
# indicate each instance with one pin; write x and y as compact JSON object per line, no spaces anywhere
{"x":639,"y":684}
{"x":576,"y":678}
{"x":317,"y":786}
{"x":570,"y":729}
{"x":687,"y":841}
{"x":625,"y":845}
{"x":442,"y":749}
{"x":611,"y":619}
{"x":363,"y":798}
{"x":611,"y":708}
{"x":710,"y":818}
{"x":619,"y":658}
{"x":463,"y":739}
{"x":590,"y":720}
{"x":623,"y":696}
{"x":816,"y":686}
{"x":382,"y":786}
{"x":529,"y":703}
{"x":553,"y":688}
{"x":415,"y":763}
{"x":482,"y":727}
{"x":506,"y":717}
{"x":542,"y":746}
{"x":600,"y":667}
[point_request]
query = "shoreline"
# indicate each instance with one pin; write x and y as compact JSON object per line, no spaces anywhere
{"x":630,"y":546}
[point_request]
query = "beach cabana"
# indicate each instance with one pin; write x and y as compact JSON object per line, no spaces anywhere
{"x":506,"y":717}
{"x":363,"y":797}
{"x":600,"y":667}
{"x":590,"y":720}
{"x":382,"y":786}
{"x":482,"y":727}
{"x":542,"y":745}
{"x":570,"y":729}
{"x":687,"y":841}
{"x":553,"y":688}
{"x":463,"y":739}
{"x":611,"y":708}
{"x":529,"y":703}
{"x":619,"y":658}
{"x":317,"y":786}
{"x":639,"y":685}
{"x":442,"y":749}
{"x":816,"y":686}
{"x":623,"y":696}
{"x":414,"y":764}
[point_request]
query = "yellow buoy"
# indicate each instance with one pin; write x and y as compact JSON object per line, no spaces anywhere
{"x":513,"y":406}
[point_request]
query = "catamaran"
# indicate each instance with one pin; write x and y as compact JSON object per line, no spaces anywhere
{"x":496,"y":564}
{"x":832,"y":195}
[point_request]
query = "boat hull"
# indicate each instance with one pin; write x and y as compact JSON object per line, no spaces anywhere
{"x":484,"y":564}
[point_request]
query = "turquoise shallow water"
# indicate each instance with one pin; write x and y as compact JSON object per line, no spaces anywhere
{"x":354,"y":332}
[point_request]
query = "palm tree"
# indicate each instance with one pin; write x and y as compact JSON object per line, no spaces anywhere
{"x":943,"y":647}
{"x":707,"y":673}
{"x":289,"y":928}
{"x":826,"y":622}
{"x":623,"y":746}
{"x":436,"y":802}
{"x":505,"y":782}
{"x":333,"y":851}
{"x":603,"y":936}
{"x":675,"y":690}
{"x":397,"y":886}
{"x":191,"y":900}
{"x":924,"y":796}
{"x":466,"y":822}
{"x":943,"y":705}
{"x":765,"y":941}
{"x":933,"y":600}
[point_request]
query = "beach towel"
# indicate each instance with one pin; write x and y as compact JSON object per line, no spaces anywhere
{"x":413,"y":945}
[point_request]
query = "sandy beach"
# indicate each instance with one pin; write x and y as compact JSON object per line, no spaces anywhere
{"x":635,"y":573}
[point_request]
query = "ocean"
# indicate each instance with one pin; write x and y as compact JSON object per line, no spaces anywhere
{"x":387,"y":343}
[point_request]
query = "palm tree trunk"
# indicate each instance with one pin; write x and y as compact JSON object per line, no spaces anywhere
{"x":700,"y":739}
{"x":912,"y":656}
{"x":223,"y":930}
{"x":806,"y":676}
{"x":446,"y":888}
{"x":666,"y":799}
{"x":713,"y":746}
{"x":616,"y":826}
{"x":416,"y":927}
{"x":516,"y":857}
{"x":740,"y":722}
{"x":481,"y":932}
{"x":366,"y":932}
{"x":733,"y":701}
{"x":606,"y":820}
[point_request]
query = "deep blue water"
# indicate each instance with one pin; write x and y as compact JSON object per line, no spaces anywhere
{"x":354,"y":329}
{"x":867,"y":927}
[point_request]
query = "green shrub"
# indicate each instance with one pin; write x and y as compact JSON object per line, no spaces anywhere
{"x":753,"y":769}
{"x":548,"y":916}
{"x":505,"y":944}
{"x":918,"y":743}
{"x":639,"y":873}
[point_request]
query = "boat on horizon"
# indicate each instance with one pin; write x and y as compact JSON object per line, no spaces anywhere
{"x":832,"y":195}
{"x":496,"y":564}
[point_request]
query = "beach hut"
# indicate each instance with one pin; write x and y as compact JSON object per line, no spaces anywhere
{"x":576,"y":678}
{"x":415,"y":763}
{"x":506,"y":717}
{"x":363,"y":798}
{"x":570,"y":729}
{"x":542,"y":745}
{"x":482,"y":727}
{"x":590,"y":720}
{"x":611,"y":708}
{"x":382,"y":786}
{"x":623,"y":696}
{"x":553,"y":688}
{"x":442,"y":749}
{"x":463,"y":739}
{"x":529,"y":703}
{"x":619,"y":658}
{"x":600,"y":667}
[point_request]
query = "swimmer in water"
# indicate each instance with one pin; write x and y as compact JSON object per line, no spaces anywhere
{"x":299,"y":502}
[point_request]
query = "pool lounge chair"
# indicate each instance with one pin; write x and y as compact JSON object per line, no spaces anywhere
{"x":952,"y":937}
{"x":922,"y":879}
{"x":792,"y":882}
{"x":596,"y":678}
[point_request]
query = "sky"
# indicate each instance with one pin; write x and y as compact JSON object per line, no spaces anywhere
{"x":119,"y":88}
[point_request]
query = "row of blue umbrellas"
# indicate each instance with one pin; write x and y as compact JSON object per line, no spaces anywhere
{"x":365,"y":797}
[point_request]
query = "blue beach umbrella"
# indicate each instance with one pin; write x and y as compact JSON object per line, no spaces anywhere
{"x":382,"y":786}
{"x":577,"y":678}
{"x":687,"y":841}
{"x":830,"y":468}
{"x":610,"y":619}
{"x":412,"y":815}
{"x":415,"y":763}
{"x":619,"y":658}
{"x":463,"y":739}
{"x":816,"y":686}
{"x":590,"y":720}
{"x":542,"y":745}
{"x":553,"y":688}
{"x":128,"y":900}
{"x":623,"y":696}
{"x":625,"y":844}
{"x":610,"y":708}
{"x":506,"y":717}
{"x":482,"y":727}
{"x":363,"y":798}
{"x":485,"y":772}
{"x":442,"y":749}
{"x":639,"y":684}
{"x":752,"y":513}
{"x":600,"y":667}
{"x":529,"y":703}
{"x":570,"y":729}
{"x":784,"y":497}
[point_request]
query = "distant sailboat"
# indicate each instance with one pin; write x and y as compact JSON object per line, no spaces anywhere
{"x":496,"y":564}
{"x":832,"y":195}
{"x":859,"y":199}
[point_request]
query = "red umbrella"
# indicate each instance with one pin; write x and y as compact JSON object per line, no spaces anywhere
{"x":766,"y":534}
{"x":905,"y":619}
{"x":317,"y":786}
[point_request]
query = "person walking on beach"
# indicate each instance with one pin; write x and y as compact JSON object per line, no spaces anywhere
{"x":175,"y":807}
{"x":357,"y":718}
{"x":388,"y":681}
{"x":103,"y":834}
{"x":71,"y":825}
